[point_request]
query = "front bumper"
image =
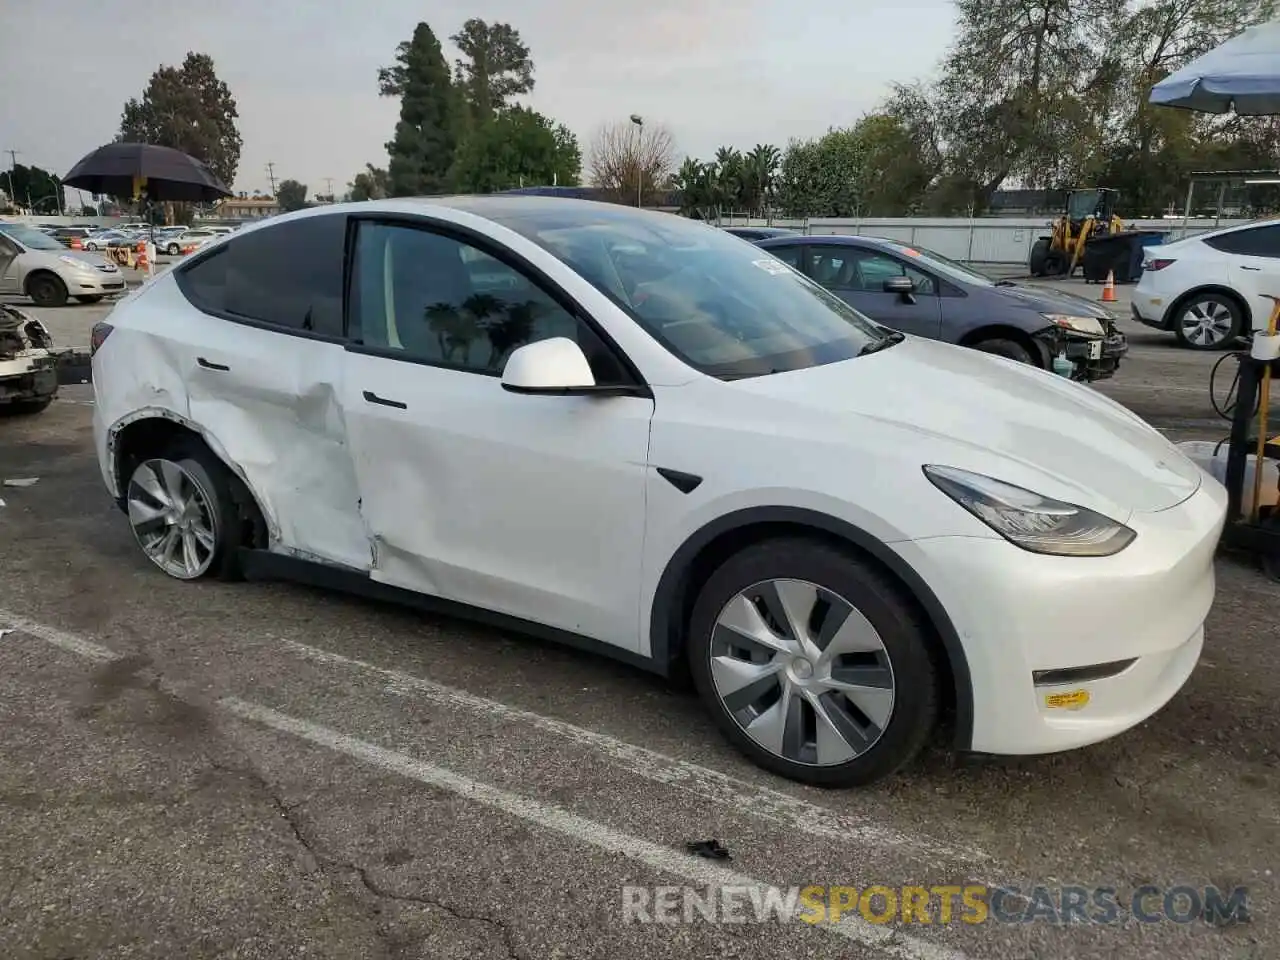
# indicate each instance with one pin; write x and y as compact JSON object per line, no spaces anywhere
{"x":1097,"y":359}
{"x":98,"y":283}
{"x":1018,"y":613}
{"x":25,"y":378}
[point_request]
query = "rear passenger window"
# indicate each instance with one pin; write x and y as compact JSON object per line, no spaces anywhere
{"x":287,"y":275}
{"x":204,"y":282}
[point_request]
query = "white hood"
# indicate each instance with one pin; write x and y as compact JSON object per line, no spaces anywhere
{"x":1003,"y":419}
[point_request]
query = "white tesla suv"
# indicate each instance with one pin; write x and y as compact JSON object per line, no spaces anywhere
{"x":640,"y":434}
{"x":1211,"y":289}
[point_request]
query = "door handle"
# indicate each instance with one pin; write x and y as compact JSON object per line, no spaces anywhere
{"x":1255,"y":269}
{"x":210,"y":365}
{"x":374,"y":398}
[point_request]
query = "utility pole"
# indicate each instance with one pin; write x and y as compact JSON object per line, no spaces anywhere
{"x":271,"y":175}
{"x":329,"y":185}
{"x":13,"y":162}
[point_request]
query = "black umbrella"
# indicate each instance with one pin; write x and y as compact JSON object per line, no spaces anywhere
{"x":160,"y":173}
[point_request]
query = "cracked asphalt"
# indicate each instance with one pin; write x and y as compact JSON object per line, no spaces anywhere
{"x":264,"y":770}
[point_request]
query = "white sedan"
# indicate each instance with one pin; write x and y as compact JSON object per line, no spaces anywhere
{"x":638,"y":434}
{"x":187,"y":240}
{"x":1211,"y":289}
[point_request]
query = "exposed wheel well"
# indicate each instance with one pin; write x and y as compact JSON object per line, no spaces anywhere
{"x":997,"y":331}
{"x":1225,"y":292}
{"x":954,"y":699}
{"x":153,"y":435}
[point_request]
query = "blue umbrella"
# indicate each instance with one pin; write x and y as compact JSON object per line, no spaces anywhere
{"x":1243,"y":74}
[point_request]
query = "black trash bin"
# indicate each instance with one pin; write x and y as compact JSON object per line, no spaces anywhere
{"x":1119,"y":254}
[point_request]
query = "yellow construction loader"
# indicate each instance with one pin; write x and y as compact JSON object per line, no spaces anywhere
{"x":1089,"y":214}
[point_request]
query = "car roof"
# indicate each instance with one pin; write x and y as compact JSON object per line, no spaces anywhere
{"x":832,"y":240}
{"x":1236,"y":227}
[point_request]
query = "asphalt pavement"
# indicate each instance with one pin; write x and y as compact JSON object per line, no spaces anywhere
{"x":265,"y":770}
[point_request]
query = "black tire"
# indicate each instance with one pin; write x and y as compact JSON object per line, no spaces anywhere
{"x":173,"y":250}
{"x":46,"y":290}
{"x":212,"y":474}
{"x":91,"y":246}
{"x":1010,"y":349}
{"x":905,"y":639}
{"x":1039,"y":257}
{"x":27,"y":407}
{"x":1206,"y":303}
{"x":1054,"y":265}
{"x":92,"y":298}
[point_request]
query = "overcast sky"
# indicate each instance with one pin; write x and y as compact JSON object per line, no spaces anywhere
{"x":304,"y":72}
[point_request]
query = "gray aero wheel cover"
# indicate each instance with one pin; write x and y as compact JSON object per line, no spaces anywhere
{"x":802,"y":672}
{"x":1205,"y":322}
{"x":173,"y":517}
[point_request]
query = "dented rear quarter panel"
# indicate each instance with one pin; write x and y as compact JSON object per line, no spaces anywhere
{"x":273,"y":416}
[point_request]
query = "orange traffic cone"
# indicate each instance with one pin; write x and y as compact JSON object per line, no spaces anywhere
{"x":76,"y":244}
{"x":1109,"y":289}
{"x":143,"y":262}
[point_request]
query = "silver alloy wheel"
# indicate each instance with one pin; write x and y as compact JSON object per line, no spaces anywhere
{"x":1206,"y":323}
{"x":173,"y":518}
{"x":802,"y":672}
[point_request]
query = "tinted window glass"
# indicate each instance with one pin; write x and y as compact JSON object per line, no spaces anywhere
{"x":788,"y":255}
{"x":722,"y":306}
{"x":204,"y":282}
{"x":862,"y":271}
{"x":289,"y":274}
{"x":1254,"y":242}
{"x":445,"y":302}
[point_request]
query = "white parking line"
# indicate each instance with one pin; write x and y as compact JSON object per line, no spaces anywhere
{"x":739,"y":795}
{"x":887,"y":942}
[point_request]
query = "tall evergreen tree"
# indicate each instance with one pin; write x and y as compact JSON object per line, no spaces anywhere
{"x":421,"y":153}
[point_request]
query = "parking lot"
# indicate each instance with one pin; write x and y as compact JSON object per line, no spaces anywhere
{"x":254,"y":770}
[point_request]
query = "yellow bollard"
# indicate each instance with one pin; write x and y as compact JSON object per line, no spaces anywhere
{"x":1264,"y":400}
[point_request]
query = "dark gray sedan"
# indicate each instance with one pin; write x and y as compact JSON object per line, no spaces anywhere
{"x":918,"y":292}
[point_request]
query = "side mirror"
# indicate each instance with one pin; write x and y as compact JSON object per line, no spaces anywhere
{"x":554,"y":366}
{"x":902,"y":286}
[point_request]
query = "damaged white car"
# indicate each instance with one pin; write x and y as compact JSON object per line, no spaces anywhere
{"x":638,"y":434}
{"x":28,"y":366}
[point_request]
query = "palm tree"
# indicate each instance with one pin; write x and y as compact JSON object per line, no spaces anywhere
{"x":511,"y":331}
{"x":760,"y":170}
{"x":728,"y":179}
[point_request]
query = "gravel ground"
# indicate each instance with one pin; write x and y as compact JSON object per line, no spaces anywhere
{"x":261,"y":770}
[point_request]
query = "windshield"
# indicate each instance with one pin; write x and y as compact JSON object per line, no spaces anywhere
{"x":726,"y":308}
{"x":945,"y":265}
{"x":31,"y":239}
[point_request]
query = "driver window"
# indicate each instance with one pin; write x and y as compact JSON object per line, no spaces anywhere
{"x":874,"y":268}
{"x":438,"y":300}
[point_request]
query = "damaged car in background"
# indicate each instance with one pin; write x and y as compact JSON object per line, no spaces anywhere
{"x":916,"y":291}
{"x":28,"y":367}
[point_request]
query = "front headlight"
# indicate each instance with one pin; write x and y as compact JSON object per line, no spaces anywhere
{"x":1027,"y":520}
{"x":1089,"y":326}
{"x":78,"y":264}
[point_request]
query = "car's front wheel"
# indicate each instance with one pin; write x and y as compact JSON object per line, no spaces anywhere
{"x":813,"y":664}
{"x":182,"y":513}
{"x":46,"y":290}
{"x":1208,"y":321}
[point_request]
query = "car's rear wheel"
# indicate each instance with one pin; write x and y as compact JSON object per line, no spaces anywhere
{"x":812,"y":663}
{"x":1208,"y":321}
{"x":182,"y":513}
{"x":1010,"y":349}
{"x":173,"y":250}
{"x":46,"y":290}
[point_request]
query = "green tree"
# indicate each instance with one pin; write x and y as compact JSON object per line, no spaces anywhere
{"x":422,"y":150}
{"x":291,"y":195}
{"x":517,"y":147}
{"x":32,"y":186}
{"x":190,"y":109}
{"x":370,"y":184}
{"x":495,"y":67}
{"x":895,"y":174}
{"x":820,"y":178}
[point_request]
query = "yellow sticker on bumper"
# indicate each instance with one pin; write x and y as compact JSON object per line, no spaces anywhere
{"x":1067,"y":701}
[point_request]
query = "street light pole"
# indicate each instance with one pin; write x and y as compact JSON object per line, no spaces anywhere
{"x":639,"y":122}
